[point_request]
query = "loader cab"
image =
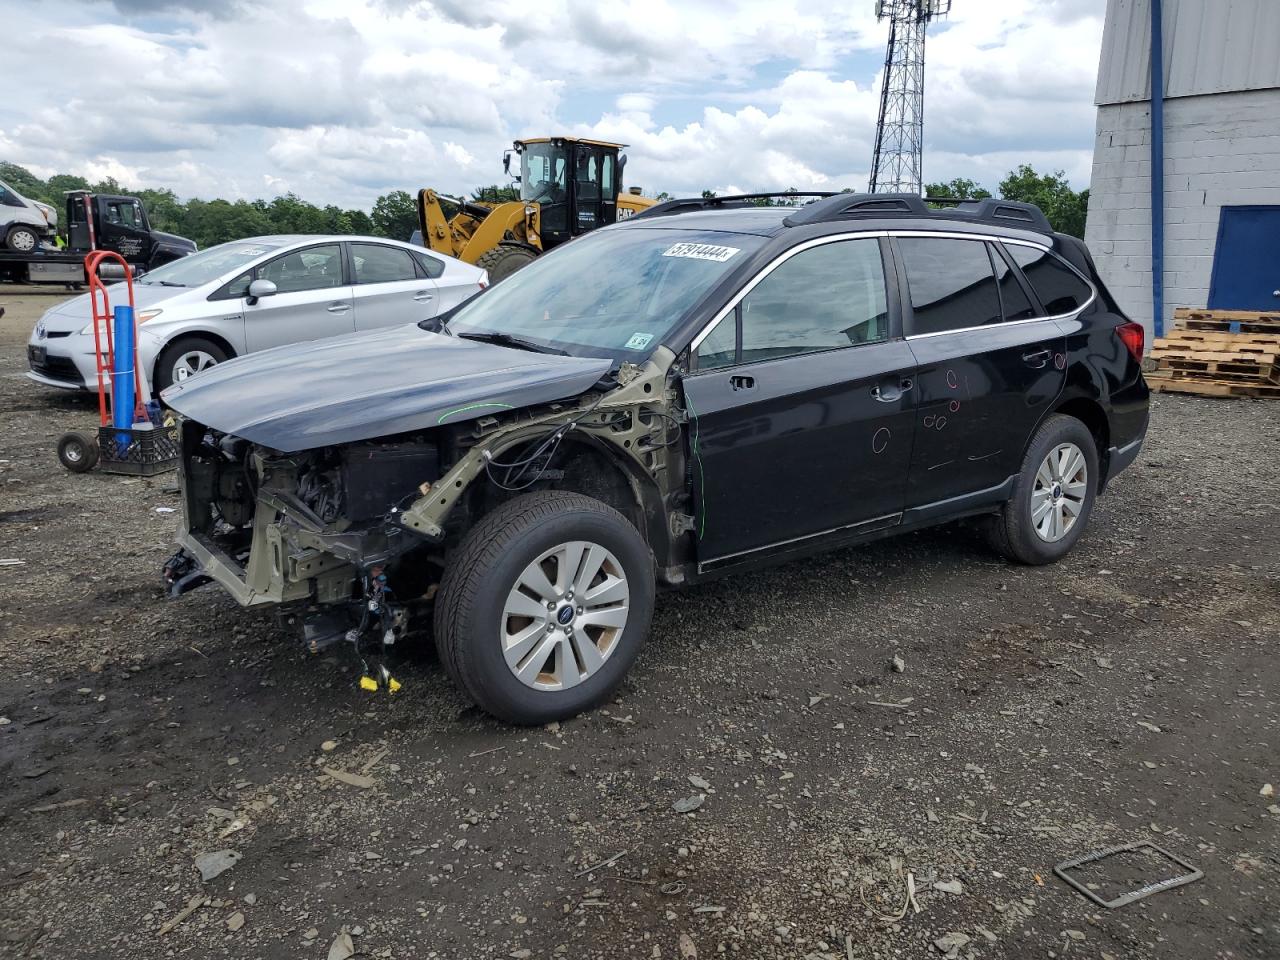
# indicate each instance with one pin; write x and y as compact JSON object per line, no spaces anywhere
{"x":574,"y":182}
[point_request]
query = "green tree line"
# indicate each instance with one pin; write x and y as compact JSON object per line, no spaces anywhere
{"x":209,"y":222}
{"x":1065,"y":208}
{"x":395,"y":214}
{"x":1051,"y":192}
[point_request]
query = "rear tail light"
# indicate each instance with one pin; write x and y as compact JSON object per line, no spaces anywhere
{"x":1134,"y":338}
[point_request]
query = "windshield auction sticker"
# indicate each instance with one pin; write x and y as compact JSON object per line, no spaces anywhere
{"x":701,"y":251}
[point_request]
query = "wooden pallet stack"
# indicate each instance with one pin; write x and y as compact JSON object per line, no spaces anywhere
{"x":1219,"y":353}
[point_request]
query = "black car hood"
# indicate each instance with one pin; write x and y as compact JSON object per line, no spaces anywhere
{"x":367,"y":385}
{"x":172,"y":239}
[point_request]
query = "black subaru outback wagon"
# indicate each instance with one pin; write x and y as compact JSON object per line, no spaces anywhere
{"x":707,"y":387}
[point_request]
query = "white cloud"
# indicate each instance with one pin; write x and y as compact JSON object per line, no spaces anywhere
{"x":340,"y":100}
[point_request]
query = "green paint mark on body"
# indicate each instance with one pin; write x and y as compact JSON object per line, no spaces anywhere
{"x":472,"y":406}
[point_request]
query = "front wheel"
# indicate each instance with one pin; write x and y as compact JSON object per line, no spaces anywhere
{"x":544,"y":606}
{"x":504,"y":260}
{"x":185,"y":358}
{"x":22,"y":239}
{"x":1053,"y":496}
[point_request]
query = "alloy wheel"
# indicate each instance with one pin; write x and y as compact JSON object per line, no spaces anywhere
{"x":1058,"y":495}
{"x":564,"y":616}
{"x":190,"y":363}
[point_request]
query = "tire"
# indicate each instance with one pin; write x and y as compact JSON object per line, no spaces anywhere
{"x":1015,"y":531}
{"x":22,"y":238}
{"x":184,"y":351}
{"x":504,"y":260}
{"x":474,"y":627}
{"x":78,"y":452}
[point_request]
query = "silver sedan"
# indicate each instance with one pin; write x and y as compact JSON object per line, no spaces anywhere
{"x":248,"y":295}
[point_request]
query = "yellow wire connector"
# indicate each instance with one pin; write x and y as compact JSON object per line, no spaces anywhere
{"x":368,"y":683}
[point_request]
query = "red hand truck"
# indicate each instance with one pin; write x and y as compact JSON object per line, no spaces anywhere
{"x":147,"y":447}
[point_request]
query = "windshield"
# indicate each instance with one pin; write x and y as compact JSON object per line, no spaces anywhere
{"x":614,"y":293}
{"x":208,"y":265}
{"x":542,"y":169}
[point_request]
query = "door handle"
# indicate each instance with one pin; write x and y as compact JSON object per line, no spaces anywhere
{"x":338,"y":307}
{"x":742,"y":383}
{"x":1037,"y":358}
{"x":422,"y":296}
{"x":889,"y":392}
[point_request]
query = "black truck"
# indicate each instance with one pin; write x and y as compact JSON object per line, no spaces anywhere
{"x":96,"y":221}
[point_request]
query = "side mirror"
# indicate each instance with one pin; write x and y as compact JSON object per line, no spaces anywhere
{"x":259,"y":289}
{"x":506,"y":163}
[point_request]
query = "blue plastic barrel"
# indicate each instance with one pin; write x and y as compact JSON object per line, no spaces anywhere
{"x":122,"y":383}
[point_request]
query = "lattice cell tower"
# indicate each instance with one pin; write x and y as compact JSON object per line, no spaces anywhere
{"x":895,"y":167}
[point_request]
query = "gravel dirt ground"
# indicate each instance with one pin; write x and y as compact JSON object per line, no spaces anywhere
{"x":1128,"y":693}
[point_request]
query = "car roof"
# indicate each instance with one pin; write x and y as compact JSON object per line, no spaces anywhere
{"x":286,"y":239}
{"x":770,"y":222}
{"x":761,"y":221}
{"x":852,"y":212}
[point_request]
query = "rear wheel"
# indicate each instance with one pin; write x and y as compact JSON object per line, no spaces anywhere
{"x":1053,"y":496}
{"x":504,"y":260}
{"x":544,"y":607}
{"x":23,"y":239}
{"x":185,"y":358}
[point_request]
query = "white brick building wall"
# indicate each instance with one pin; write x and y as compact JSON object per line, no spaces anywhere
{"x":1221,"y":141}
{"x":1220,"y":150}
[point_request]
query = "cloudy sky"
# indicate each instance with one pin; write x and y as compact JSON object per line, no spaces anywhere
{"x":341,"y":100}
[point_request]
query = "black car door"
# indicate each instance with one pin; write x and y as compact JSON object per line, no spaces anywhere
{"x":122,"y":227}
{"x":801,"y":404}
{"x":989,"y":366}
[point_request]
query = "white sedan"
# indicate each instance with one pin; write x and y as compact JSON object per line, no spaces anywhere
{"x":248,"y":295}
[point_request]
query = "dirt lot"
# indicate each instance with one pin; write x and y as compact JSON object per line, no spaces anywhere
{"x":1129,"y":693}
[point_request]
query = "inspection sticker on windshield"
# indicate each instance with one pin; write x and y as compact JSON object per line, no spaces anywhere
{"x":701,"y":251}
{"x":639,"y":341}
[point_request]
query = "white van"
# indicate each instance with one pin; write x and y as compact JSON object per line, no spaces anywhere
{"x":24,"y":223}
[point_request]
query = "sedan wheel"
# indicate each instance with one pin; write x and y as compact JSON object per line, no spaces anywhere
{"x":563,"y":618}
{"x":191,"y":363}
{"x":1058,"y":496}
{"x":186,"y":357}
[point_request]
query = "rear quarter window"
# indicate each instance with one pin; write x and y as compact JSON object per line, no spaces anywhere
{"x":1059,"y":288}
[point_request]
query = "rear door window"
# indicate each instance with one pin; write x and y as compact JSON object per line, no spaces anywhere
{"x":1014,"y":299}
{"x":430,"y":265}
{"x":951,"y":284}
{"x":1059,"y":288}
{"x":375,"y":263}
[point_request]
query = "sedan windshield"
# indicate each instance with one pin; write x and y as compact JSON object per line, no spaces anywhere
{"x":615,"y":293}
{"x":208,"y":265}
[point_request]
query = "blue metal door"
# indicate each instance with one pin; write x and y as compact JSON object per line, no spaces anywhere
{"x":1246,"y":262}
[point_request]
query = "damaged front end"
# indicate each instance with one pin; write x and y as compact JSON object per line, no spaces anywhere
{"x":345,"y":538}
{"x":313,"y":531}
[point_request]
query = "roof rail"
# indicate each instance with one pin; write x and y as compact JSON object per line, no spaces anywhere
{"x":1009,"y":212}
{"x":691,"y":204}
{"x":842,"y":205}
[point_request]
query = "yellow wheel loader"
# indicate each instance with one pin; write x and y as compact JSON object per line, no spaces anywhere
{"x":567,"y":187}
